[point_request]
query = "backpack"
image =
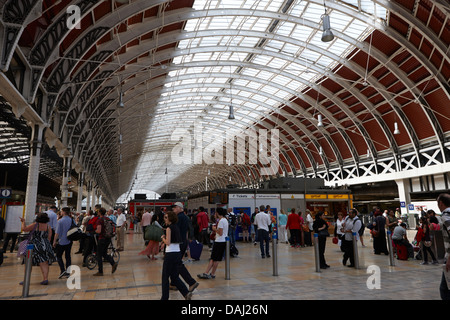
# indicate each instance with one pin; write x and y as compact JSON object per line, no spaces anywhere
{"x":363,"y":227}
{"x":233,"y":220}
{"x":110,"y":228}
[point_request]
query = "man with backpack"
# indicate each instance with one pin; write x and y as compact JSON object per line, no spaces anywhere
{"x":351,"y":224}
{"x":105,"y":232}
{"x":232,"y":223}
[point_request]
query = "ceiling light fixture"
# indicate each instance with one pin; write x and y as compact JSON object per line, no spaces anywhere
{"x":396,"y":131}
{"x":327,"y":35}
{"x":320,"y":151}
{"x":319,"y":118}
{"x":231,"y":114}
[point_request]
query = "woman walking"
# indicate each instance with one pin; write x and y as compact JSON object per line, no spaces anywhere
{"x":152,"y":248}
{"x":172,"y":258}
{"x":43,"y":252}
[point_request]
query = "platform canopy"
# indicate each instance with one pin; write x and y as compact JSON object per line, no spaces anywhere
{"x":156,"y":94}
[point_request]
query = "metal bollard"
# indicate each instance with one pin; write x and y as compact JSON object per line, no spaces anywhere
{"x":275,"y":254}
{"x":28,"y":266}
{"x":227,"y":259}
{"x":316,"y":251}
{"x":355,"y":250}
{"x":391,"y":251}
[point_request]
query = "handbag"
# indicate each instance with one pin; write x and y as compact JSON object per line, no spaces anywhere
{"x":153,"y":233}
{"x":427,"y":243}
{"x":324,"y":233}
{"x":74,"y":233}
{"x":335,"y":240}
{"x":22,"y":250}
{"x":305,"y":228}
{"x":375,"y":233}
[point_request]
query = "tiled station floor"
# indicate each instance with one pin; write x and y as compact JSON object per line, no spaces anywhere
{"x":138,"y":278}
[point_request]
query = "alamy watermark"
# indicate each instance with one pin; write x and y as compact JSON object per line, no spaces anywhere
{"x":207,"y":146}
{"x":73,"y":20}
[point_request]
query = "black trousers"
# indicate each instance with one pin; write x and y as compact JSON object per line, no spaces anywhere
{"x":60,"y":250}
{"x":347,"y":247}
{"x":171,"y":265}
{"x":182,"y":270}
{"x":322,"y":243}
{"x":13,"y":237}
{"x":102,"y":252}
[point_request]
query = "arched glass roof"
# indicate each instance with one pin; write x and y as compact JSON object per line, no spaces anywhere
{"x":181,"y":67}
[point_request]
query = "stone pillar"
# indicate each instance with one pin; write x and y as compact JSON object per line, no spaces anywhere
{"x":67,"y":167}
{"x":33,"y":172}
{"x":404,"y":187}
{"x":88,"y":197}
{"x":80,"y":191}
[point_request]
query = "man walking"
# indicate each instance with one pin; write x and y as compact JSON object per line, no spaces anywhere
{"x":103,"y":244}
{"x":61,"y":244}
{"x":51,"y":213}
{"x":121,"y":224}
{"x":263,"y":221}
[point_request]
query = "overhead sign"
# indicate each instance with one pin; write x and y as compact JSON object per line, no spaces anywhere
{"x":316,"y":196}
{"x":5,"y":193}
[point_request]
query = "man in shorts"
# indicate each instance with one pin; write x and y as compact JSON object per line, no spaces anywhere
{"x":219,"y":245}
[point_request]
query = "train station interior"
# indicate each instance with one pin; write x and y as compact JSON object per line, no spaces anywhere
{"x":319,"y":105}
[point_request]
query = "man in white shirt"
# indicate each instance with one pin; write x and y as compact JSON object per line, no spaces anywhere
{"x":219,"y":245}
{"x":146,"y":219}
{"x":351,"y":225}
{"x":263,"y":221}
{"x":51,"y":213}
{"x":120,"y":225}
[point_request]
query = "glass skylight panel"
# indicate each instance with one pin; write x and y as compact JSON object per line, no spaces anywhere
{"x":314,"y":12}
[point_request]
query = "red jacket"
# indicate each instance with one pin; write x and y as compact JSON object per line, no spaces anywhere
{"x":202,"y":220}
{"x":293,"y":221}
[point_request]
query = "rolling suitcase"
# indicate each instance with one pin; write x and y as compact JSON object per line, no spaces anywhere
{"x":195,"y":249}
{"x":402,"y":252}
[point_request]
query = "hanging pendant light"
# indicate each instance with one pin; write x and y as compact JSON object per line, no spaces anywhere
{"x":231,"y":115}
{"x":319,"y":118}
{"x":396,"y":131}
{"x":327,"y":35}
{"x":320,"y":151}
{"x":120,"y":104}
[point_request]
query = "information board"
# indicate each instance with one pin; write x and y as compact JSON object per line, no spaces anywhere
{"x":12,"y":219}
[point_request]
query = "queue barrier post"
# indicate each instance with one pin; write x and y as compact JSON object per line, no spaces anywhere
{"x":28,"y":267}
{"x":275,"y":254}
{"x":391,"y":251}
{"x":355,"y":250}
{"x":316,"y":251}
{"x":227,"y":259}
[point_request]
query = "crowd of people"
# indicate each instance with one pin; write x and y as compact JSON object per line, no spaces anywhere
{"x":177,"y":229}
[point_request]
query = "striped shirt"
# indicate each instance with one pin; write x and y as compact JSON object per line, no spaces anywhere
{"x":445,"y":217}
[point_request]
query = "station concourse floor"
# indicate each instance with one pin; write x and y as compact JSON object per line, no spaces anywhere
{"x":138,"y":278}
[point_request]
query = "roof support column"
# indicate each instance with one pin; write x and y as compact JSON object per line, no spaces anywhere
{"x":67,"y":167}
{"x":404,"y":188}
{"x":80,"y":191}
{"x":33,"y":172}
{"x":88,"y":198}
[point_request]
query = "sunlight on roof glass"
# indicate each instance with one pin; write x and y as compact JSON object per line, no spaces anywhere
{"x":255,"y":55}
